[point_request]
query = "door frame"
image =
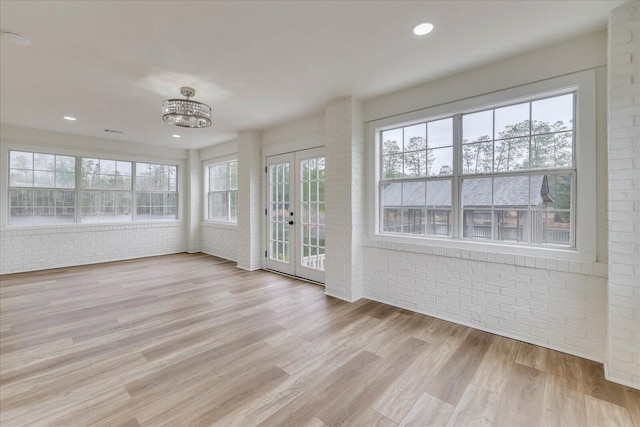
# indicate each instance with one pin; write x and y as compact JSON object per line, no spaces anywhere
{"x":297,"y":156}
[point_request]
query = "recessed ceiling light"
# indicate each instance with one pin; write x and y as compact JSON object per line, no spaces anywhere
{"x":69,"y":118}
{"x":422,"y":29}
{"x":16,"y":38}
{"x":176,"y":136}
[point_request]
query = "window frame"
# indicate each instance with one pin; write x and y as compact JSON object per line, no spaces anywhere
{"x":583,"y":83}
{"x":208,"y":167}
{"x":33,"y":189}
{"x":13,"y":145}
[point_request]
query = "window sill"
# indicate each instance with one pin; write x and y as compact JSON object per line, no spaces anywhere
{"x":565,"y":260}
{"x":219,"y":224}
{"x":47,"y":228}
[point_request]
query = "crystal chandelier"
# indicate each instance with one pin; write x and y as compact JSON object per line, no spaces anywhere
{"x":186,"y":113}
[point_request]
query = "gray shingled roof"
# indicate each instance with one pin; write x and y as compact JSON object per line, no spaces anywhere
{"x":509,"y":191}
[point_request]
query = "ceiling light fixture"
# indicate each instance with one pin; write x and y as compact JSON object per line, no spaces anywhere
{"x":186,"y":113}
{"x":422,"y":29}
{"x":16,"y":38}
{"x":73,"y":119}
{"x":176,"y":136}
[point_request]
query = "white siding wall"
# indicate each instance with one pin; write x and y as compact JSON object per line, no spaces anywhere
{"x":555,"y":303}
{"x":219,"y":240}
{"x":249,"y":201}
{"x":624,"y":195}
{"x":52,"y":247}
{"x":345,"y":196}
{"x":193,"y":201}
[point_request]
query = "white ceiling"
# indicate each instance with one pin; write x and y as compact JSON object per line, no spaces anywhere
{"x":257,"y":63}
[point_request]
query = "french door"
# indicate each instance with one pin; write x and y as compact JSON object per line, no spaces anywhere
{"x":295,"y":214}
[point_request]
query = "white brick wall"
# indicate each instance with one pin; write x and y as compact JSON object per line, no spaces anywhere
{"x":345,"y":198}
{"x":555,"y":303}
{"x":219,"y":240}
{"x":623,"y":360}
{"x":193,"y":208}
{"x":248,"y":204}
{"x":52,"y":247}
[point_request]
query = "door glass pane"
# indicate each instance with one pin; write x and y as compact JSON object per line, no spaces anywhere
{"x":312,"y":229}
{"x":279,"y":212}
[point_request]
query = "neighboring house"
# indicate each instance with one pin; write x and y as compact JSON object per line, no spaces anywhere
{"x":520,"y":215}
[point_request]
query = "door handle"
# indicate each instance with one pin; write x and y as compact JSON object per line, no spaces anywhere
{"x":290,"y":222}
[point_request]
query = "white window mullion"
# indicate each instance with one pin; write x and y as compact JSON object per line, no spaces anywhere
{"x":456,"y":196}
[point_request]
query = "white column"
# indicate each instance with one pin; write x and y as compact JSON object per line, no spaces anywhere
{"x":193,"y":200}
{"x":623,"y":360}
{"x":345,"y":198}
{"x":248,"y":204}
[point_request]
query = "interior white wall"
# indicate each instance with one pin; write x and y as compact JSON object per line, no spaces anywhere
{"x":43,"y":247}
{"x":623,"y":361}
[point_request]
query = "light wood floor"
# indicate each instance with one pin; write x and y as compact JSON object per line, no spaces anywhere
{"x":190,"y":340}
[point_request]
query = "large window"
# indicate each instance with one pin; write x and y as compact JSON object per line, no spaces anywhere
{"x":106,"y":190}
{"x":41,"y":188}
{"x":222,"y":180}
{"x":156,"y":191}
{"x":47,"y":189}
{"x":505,"y":173}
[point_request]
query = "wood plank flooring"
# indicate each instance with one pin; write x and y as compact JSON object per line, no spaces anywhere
{"x":190,"y":340}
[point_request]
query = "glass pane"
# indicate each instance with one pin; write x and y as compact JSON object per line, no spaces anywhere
{"x":90,"y":173}
{"x":123,"y":168}
{"x":440,"y":133}
{"x":21,"y":202}
{"x":392,"y":141}
{"x":107,"y":167}
{"x":511,"y":191}
{"x":21,"y":160}
{"x":21,"y":178}
{"x":556,"y":112}
{"x":392,"y":220}
{"x":476,"y":192}
{"x":65,"y":180}
{"x":477,"y":158}
{"x":44,"y":179}
{"x":438,"y":222}
{"x":44,"y":162}
{"x":477,"y":127}
{"x":413,"y":194}
{"x":232,"y":206}
{"x":510,"y":225}
{"x":512,"y":121}
{"x":440,"y":161}
{"x":233,"y":175}
{"x":511,"y":154}
{"x":439,"y":194}
{"x":552,"y":227}
{"x":553,"y":150}
{"x":415,"y":220}
{"x":476,"y":224}
{"x":555,"y":193}
{"x":392,"y":195}
{"x":392,"y":166}
{"x":65,"y":164}
{"x":415,"y":137}
{"x":415,"y":163}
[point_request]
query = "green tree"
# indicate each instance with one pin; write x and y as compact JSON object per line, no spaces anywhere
{"x":477,"y":157}
{"x":391,"y":159}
